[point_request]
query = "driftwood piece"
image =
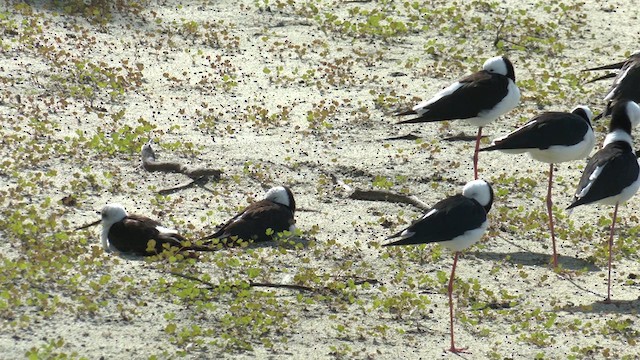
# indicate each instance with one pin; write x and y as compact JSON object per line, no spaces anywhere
{"x":383,"y":195}
{"x":379,"y":195}
{"x":150,"y":164}
{"x":199,"y":176}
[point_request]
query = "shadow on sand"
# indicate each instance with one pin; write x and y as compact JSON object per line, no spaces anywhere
{"x":291,"y":243}
{"x":534,"y":259}
{"x":600,"y":307}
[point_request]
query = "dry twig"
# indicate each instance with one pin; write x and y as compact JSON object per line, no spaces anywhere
{"x":379,"y":195}
{"x":383,"y":195}
{"x":276,"y":286}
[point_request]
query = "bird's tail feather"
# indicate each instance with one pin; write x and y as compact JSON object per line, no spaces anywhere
{"x":603,"y":77}
{"x":405,"y":112}
{"x":617,"y":65}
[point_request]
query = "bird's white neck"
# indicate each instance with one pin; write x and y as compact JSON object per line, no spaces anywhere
{"x":105,"y":239}
{"x":618,"y":135}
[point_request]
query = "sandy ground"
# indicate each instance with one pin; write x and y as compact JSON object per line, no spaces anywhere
{"x":230,"y":85}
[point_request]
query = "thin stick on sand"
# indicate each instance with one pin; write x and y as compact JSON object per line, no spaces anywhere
{"x":274,"y":285}
{"x":383,"y":195}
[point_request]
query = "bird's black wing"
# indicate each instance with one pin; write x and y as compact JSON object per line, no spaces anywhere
{"x":255,"y":220}
{"x":447,"y":219}
{"x":626,"y":85}
{"x":607,"y":173}
{"x":477,"y":92}
{"x":543,"y":131}
{"x":133,"y":233}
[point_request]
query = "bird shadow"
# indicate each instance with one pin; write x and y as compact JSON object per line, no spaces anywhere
{"x":288,"y":243}
{"x":528,"y":258}
{"x":130,"y":257}
{"x":599,"y":306}
{"x":461,"y":136}
{"x":292,"y":243}
{"x":602,"y":307}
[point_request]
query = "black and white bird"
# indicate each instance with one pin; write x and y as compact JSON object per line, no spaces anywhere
{"x":551,"y":137}
{"x":626,"y":85}
{"x":478,"y":98}
{"x":132,"y":234}
{"x":456,"y":222}
{"x":261,"y":220}
{"x":612,"y":175}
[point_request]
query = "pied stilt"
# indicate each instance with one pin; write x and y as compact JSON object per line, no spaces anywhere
{"x":551,"y":137}
{"x":612,"y":175}
{"x":456,"y":222}
{"x":478,"y":98}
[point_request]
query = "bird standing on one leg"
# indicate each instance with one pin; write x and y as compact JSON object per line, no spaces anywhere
{"x":612,"y":175}
{"x":456,"y":222}
{"x":551,"y":137}
{"x":478,"y":98}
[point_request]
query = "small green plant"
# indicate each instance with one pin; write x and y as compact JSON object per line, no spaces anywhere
{"x":263,"y":117}
{"x":51,"y":350}
{"x":321,"y":114}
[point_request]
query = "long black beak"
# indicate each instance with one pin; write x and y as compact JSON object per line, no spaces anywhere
{"x":88,"y":225}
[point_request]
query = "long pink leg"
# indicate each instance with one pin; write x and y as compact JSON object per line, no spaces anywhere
{"x":550,"y":213}
{"x":613,"y":224}
{"x":475,"y":154}
{"x":453,"y":348}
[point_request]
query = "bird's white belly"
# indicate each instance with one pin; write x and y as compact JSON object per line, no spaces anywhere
{"x":505,"y":105}
{"x":558,"y":153}
{"x":106,"y":245}
{"x":467,"y":239}
{"x":626,"y":194}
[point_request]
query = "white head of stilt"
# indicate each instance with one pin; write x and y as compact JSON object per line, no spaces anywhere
{"x":480,"y":191}
{"x":578,"y":110}
{"x":500,"y":65}
{"x":281,"y":195}
{"x":495,"y":65}
{"x":111,"y":214}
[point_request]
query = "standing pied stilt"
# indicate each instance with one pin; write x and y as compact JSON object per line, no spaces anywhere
{"x":275,"y":212}
{"x":551,"y":137}
{"x":456,"y":222}
{"x":612,"y":175}
{"x":626,"y":85}
{"x":478,"y":98}
{"x":137,"y":235}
